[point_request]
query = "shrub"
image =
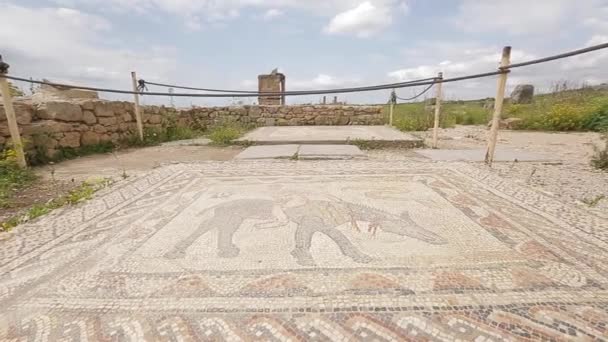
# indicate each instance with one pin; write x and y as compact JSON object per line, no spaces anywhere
{"x":597,"y":120}
{"x":565,"y":117}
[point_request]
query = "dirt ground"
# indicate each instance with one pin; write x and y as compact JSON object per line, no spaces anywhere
{"x":571,"y":179}
{"x":58,"y":179}
{"x":132,"y":161}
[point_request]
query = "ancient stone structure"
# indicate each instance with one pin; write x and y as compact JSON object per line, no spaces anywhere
{"x":74,"y":123}
{"x":272,"y":83}
{"x":522,"y":94}
{"x":49,"y":91}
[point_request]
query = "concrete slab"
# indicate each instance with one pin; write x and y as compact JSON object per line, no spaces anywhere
{"x":189,"y":142}
{"x":232,"y":250}
{"x":269,"y":152}
{"x":330,"y":152}
{"x":478,"y":155}
{"x":301,"y":152}
{"x":382,"y":135}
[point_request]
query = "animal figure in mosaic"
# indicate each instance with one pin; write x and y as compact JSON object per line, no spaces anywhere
{"x":311,"y":216}
{"x":227,"y":219}
{"x":314,"y":216}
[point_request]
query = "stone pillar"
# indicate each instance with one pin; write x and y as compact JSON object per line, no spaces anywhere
{"x":273,"y":83}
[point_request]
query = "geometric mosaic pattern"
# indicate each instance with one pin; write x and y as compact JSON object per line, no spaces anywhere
{"x":314,"y":251}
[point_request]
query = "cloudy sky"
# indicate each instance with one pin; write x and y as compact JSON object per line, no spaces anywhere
{"x":316,"y":43}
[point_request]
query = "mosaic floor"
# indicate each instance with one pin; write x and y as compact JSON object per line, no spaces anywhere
{"x":309,"y":251}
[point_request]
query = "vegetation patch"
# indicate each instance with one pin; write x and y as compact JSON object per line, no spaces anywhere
{"x":600,"y":158}
{"x":12,"y":177}
{"x":77,"y":195}
{"x":584,"y":109}
{"x":225,"y":134}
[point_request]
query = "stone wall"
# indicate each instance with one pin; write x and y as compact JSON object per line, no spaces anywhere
{"x":55,"y":124}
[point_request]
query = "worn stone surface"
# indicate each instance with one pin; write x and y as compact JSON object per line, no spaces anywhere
{"x":60,"y":110}
{"x":330,"y":152}
{"x":89,"y":138}
{"x":269,"y":152}
{"x":309,"y":251}
{"x":329,"y":135}
{"x":478,"y":155}
{"x":522,"y":94}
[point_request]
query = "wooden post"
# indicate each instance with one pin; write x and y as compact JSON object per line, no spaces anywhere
{"x":138,"y":111}
{"x":392,"y":109}
{"x":500,"y":96}
{"x":437,"y":111}
{"x":13,"y":128}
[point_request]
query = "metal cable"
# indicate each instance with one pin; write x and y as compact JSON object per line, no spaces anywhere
{"x":292,"y":93}
{"x":416,"y":96}
{"x":556,"y":57}
{"x":295,"y":92}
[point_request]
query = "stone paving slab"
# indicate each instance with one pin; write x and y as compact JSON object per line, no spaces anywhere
{"x":309,"y":250}
{"x":189,"y":142}
{"x":478,"y":155}
{"x":330,"y":135}
{"x":269,"y":152}
{"x":330,"y":152}
{"x":307,"y":152}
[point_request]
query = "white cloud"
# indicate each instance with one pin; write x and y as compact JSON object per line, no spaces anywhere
{"x":520,"y":16}
{"x":198,"y":12}
{"x":272,"y":14}
{"x":69,"y":45}
{"x":322,"y":81}
{"x":363,"y":21}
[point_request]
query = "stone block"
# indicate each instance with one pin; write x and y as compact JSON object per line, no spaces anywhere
{"x":104,"y":109}
{"x":60,"y":110}
{"x":89,"y":117}
{"x":522,"y":94}
{"x":108,"y":121}
{"x":46,"y":126}
{"x":70,"y":139}
{"x":89,"y":138}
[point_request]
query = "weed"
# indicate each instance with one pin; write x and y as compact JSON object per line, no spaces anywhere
{"x":81,"y":193}
{"x":224,"y":134}
{"x":12,"y":177}
{"x":600,"y":158}
{"x":593,"y":202}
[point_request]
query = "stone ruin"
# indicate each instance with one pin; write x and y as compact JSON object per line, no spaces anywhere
{"x":272,"y":83}
{"x":47,"y":92}
{"x":522,"y":94}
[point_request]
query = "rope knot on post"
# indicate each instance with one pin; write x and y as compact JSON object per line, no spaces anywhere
{"x":141,"y":86}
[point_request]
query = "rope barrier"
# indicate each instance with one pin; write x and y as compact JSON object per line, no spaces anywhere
{"x":291,"y":93}
{"x":416,"y":96}
{"x":556,"y":57}
{"x":429,"y":81}
{"x":390,"y":85}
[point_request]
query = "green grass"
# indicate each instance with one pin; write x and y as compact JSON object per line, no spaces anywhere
{"x":77,"y":195}
{"x":570,"y":110}
{"x":573,"y":110}
{"x":12,"y":177}
{"x":410,"y":117}
{"x":226,"y":133}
